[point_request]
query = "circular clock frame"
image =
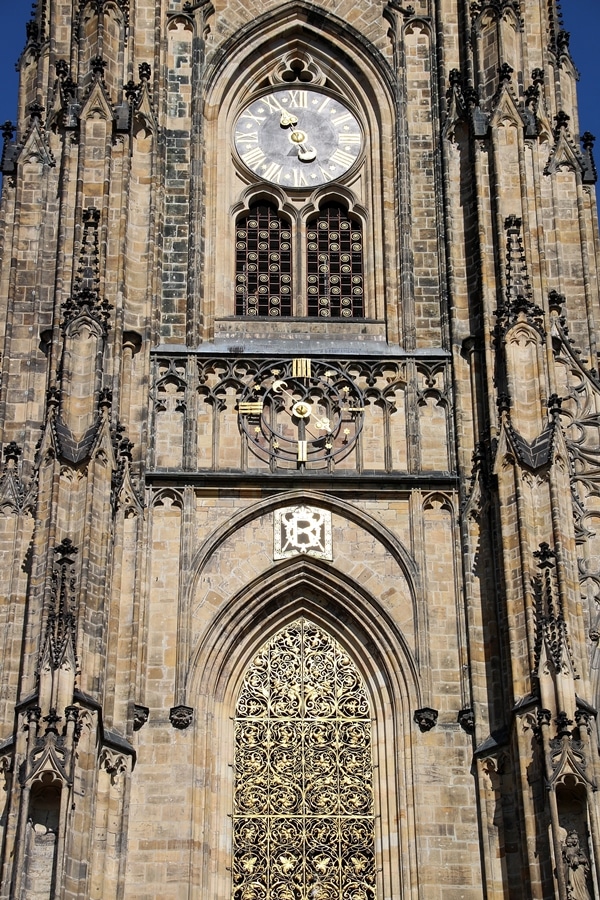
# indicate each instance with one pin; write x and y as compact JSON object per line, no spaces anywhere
{"x":298,"y":138}
{"x":301,"y":412}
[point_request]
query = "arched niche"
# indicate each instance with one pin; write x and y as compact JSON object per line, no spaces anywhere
{"x":341,"y":64}
{"x":41,"y":839}
{"x":81,"y":373}
{"x":101,"y":33}
{"x":221,"y":661}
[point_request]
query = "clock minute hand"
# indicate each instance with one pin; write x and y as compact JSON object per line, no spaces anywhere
{"x":305,"y":153}
{"x":287,"y":119}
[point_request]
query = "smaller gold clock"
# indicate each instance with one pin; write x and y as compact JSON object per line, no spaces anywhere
{"x":298,"y":138}
{"x":301,"y":413}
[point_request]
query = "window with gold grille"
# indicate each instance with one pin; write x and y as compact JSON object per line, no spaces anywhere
{"x":263,"y":270}
{"x":334,"y":263}
{"x":303,"y":804}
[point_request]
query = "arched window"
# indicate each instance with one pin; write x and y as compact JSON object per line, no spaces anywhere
{"x":334,"y":264}
{"x":263,"y":268}
{"x":42,"y":842}
{"x":303,"y":803}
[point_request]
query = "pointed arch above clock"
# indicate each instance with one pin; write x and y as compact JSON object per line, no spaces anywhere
{"x":301,"y":122}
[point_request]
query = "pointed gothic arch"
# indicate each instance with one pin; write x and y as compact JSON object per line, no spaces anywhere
{"x":304,"y":589}
{"x":307,"y":43}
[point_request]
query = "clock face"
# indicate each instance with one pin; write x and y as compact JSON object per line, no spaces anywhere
{"x":298,"y":138}
{"x":301,"y":413}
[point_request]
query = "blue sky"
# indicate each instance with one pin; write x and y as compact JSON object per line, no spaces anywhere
{"x":582,"y":19}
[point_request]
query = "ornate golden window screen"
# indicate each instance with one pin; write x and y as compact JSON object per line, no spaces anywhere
{"x":303,"y":802}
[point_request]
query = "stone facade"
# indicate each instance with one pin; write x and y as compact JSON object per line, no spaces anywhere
{"x":378,"y":533}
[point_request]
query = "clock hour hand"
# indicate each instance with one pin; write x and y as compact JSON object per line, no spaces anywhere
{"x":323,"y":424}
{"x":306,"y":153}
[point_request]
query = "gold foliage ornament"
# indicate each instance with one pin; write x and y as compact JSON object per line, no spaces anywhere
{"x":303,"y":813}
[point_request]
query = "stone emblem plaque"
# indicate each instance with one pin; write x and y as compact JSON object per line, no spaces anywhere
{"x":302,"y":529}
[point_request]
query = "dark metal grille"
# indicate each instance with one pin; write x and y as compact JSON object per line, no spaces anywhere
{"x":263,"y":266}
{"x":335,"y":265}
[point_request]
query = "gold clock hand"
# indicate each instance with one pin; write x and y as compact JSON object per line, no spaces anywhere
{"x":287,"y":119}
{"x":305,"y":153}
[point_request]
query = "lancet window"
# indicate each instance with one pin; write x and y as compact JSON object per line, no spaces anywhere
{"x":303,"y":803}
{"x":334,"y":264}
{"x":263,"y":280}
{"x":333,"y":273}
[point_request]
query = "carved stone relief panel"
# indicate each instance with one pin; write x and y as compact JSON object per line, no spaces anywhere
{"x":302,"y":529}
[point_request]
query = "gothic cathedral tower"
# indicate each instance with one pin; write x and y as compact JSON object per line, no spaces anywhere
{"x":300,"y":428}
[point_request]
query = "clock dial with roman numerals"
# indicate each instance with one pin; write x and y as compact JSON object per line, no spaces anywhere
{"x":298,"y":138}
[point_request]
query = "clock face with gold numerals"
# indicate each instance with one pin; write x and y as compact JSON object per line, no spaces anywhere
{"x":298,"y":138}
{"x":299,"y":413}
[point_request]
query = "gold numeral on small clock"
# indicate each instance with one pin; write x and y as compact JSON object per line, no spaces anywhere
{"x":301,"y":368}
{"x":349,"y":138}
{"x":250,"y":407}
{"x":302,"y":451}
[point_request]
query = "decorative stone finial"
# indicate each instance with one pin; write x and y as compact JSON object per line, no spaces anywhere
{"x":562,"y":120}
{"x":35,"y":111}
{"x":65,"y":551}
{"x":98,"y":66}
{"x":12,"y":452}
{"x":545,"y":555}
{"x":8,"y":130}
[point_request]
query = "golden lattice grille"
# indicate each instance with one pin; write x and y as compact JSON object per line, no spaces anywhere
{"x":303,"y":813}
